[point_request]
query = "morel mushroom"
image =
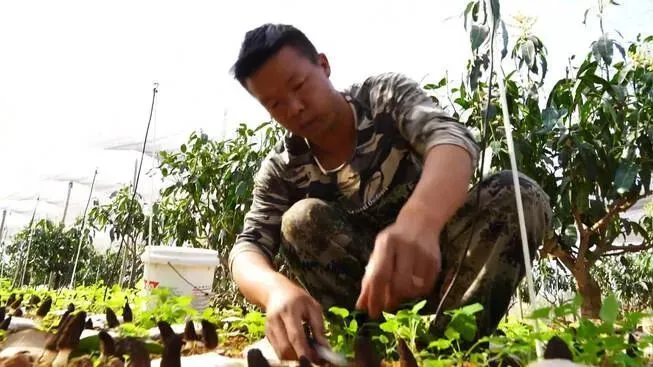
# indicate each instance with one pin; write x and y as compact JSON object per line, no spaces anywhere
{"x":112,"y":319}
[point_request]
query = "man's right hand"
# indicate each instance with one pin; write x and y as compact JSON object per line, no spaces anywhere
{"x":286,"y":309}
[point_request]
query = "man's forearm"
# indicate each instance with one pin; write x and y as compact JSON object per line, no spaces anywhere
{"x":255,"y":277}
{"x":443,"y":186}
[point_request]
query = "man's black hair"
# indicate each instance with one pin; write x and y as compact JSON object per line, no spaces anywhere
{"x":264,"y":41}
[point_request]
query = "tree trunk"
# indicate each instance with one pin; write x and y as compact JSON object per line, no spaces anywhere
{"x":590,"y":291}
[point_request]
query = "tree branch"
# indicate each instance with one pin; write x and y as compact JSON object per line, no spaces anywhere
{"x":552,"y":246}
{"x":584,"y":234}
{"x":620,"y":205}
{"x":601,"y":248}
{"x":627,"y":249}
{"x":545,"y":295}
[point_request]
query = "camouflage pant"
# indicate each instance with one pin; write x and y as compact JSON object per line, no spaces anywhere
{"x":327,"y":253}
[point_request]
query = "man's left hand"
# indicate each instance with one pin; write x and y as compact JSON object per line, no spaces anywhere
{"x":404,"y":264}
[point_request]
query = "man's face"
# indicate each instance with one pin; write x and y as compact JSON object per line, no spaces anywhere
{"x":296,"y":92}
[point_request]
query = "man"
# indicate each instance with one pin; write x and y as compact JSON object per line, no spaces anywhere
{"x":367,"y":199}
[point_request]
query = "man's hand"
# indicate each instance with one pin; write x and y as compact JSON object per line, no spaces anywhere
{"x":404,"y":264}
{"x":286,"y":308}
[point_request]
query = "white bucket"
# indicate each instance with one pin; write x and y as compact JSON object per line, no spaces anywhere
{"x":176,"y":267}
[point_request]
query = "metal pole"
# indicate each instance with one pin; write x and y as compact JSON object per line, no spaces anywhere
{"x":521,"y":306}
{"x":81,"y":233}
{"x":65,"y":209}
{"x":122,"y":266}
{"x":2,"y":242}
{"x":149,"y":234}
{"x":135,"y":171}
{"x":2,"y":224}
{"x":29,"y":241}
{"x":161,"y":222}
{"x":2,"y":253}
{"x":124,"y":254}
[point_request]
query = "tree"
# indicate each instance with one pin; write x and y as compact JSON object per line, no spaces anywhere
{"x":211,"y":187}
{"x":212,"y":184}
{"x":629,"y":277}
{"x":126,"y":222}
{"x":96,"y":270}
{"x":52,"y":251}
{"x":552,"y":282}
{"x":589,"y":143}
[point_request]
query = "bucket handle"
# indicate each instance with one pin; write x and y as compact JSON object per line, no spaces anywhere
{"x":186,"y":280}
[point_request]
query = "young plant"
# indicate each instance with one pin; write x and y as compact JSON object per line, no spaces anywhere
{"x":343,"y":327}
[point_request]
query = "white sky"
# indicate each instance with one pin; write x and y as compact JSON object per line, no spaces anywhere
{"x":76,"y":76}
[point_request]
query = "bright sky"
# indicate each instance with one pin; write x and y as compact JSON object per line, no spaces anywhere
{"x":76,"y":77}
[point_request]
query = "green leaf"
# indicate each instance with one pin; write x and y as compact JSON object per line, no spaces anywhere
{"x":240,"y":189}
{"x":183,"y":148}
{"x":339,"y":311}
{"x":540,"y":313}
{"x":621,"y":49}
{"x":390,"y":326}
{"x":504,"y":38}
{"x":474,"y":74}
{"x":472,"y":309}
{"x":545,"y":66}
{"x":440,"y":344}
{"x":465,"y":325}
{"x":609,"y":309}
{"x":603,"y":50}
{"x":468,"y":9}
{"x":451,"y":334}
{"x":631,"y":319}
{"x":551,"y":117}
{"x":418,"y":306}
{"x":353,"y":326}
{"x":478,"y":35}
{"x":496,"y":11}
{"x":625,"y":176}
{"x":528,"y":53}
{"x":565,"y":309}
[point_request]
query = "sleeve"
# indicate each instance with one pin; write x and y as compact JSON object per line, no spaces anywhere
{"x":262,"y":223}
{"x":420,"y":120}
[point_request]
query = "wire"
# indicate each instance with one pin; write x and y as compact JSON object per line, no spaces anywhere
{"x":81,"y":231}
{"x":520,"y":208}
{"x":140,"y":166}
{"x":187,"y":281}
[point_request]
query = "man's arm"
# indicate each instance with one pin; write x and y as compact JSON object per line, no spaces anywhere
{"x":256,"y":278}
{"x":250,"y":260}
{"x":447,"y":147}
{"x":442,"y":188}
{"x":285,"y":303}
{"x":406,"y":257}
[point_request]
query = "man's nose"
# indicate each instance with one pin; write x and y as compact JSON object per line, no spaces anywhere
{"x":295,"y":106}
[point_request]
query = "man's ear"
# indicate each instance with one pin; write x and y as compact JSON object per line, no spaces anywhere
{"x":324,"y":64}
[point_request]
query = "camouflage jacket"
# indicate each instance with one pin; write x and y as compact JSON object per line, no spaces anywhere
{"x":397,"y":122}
